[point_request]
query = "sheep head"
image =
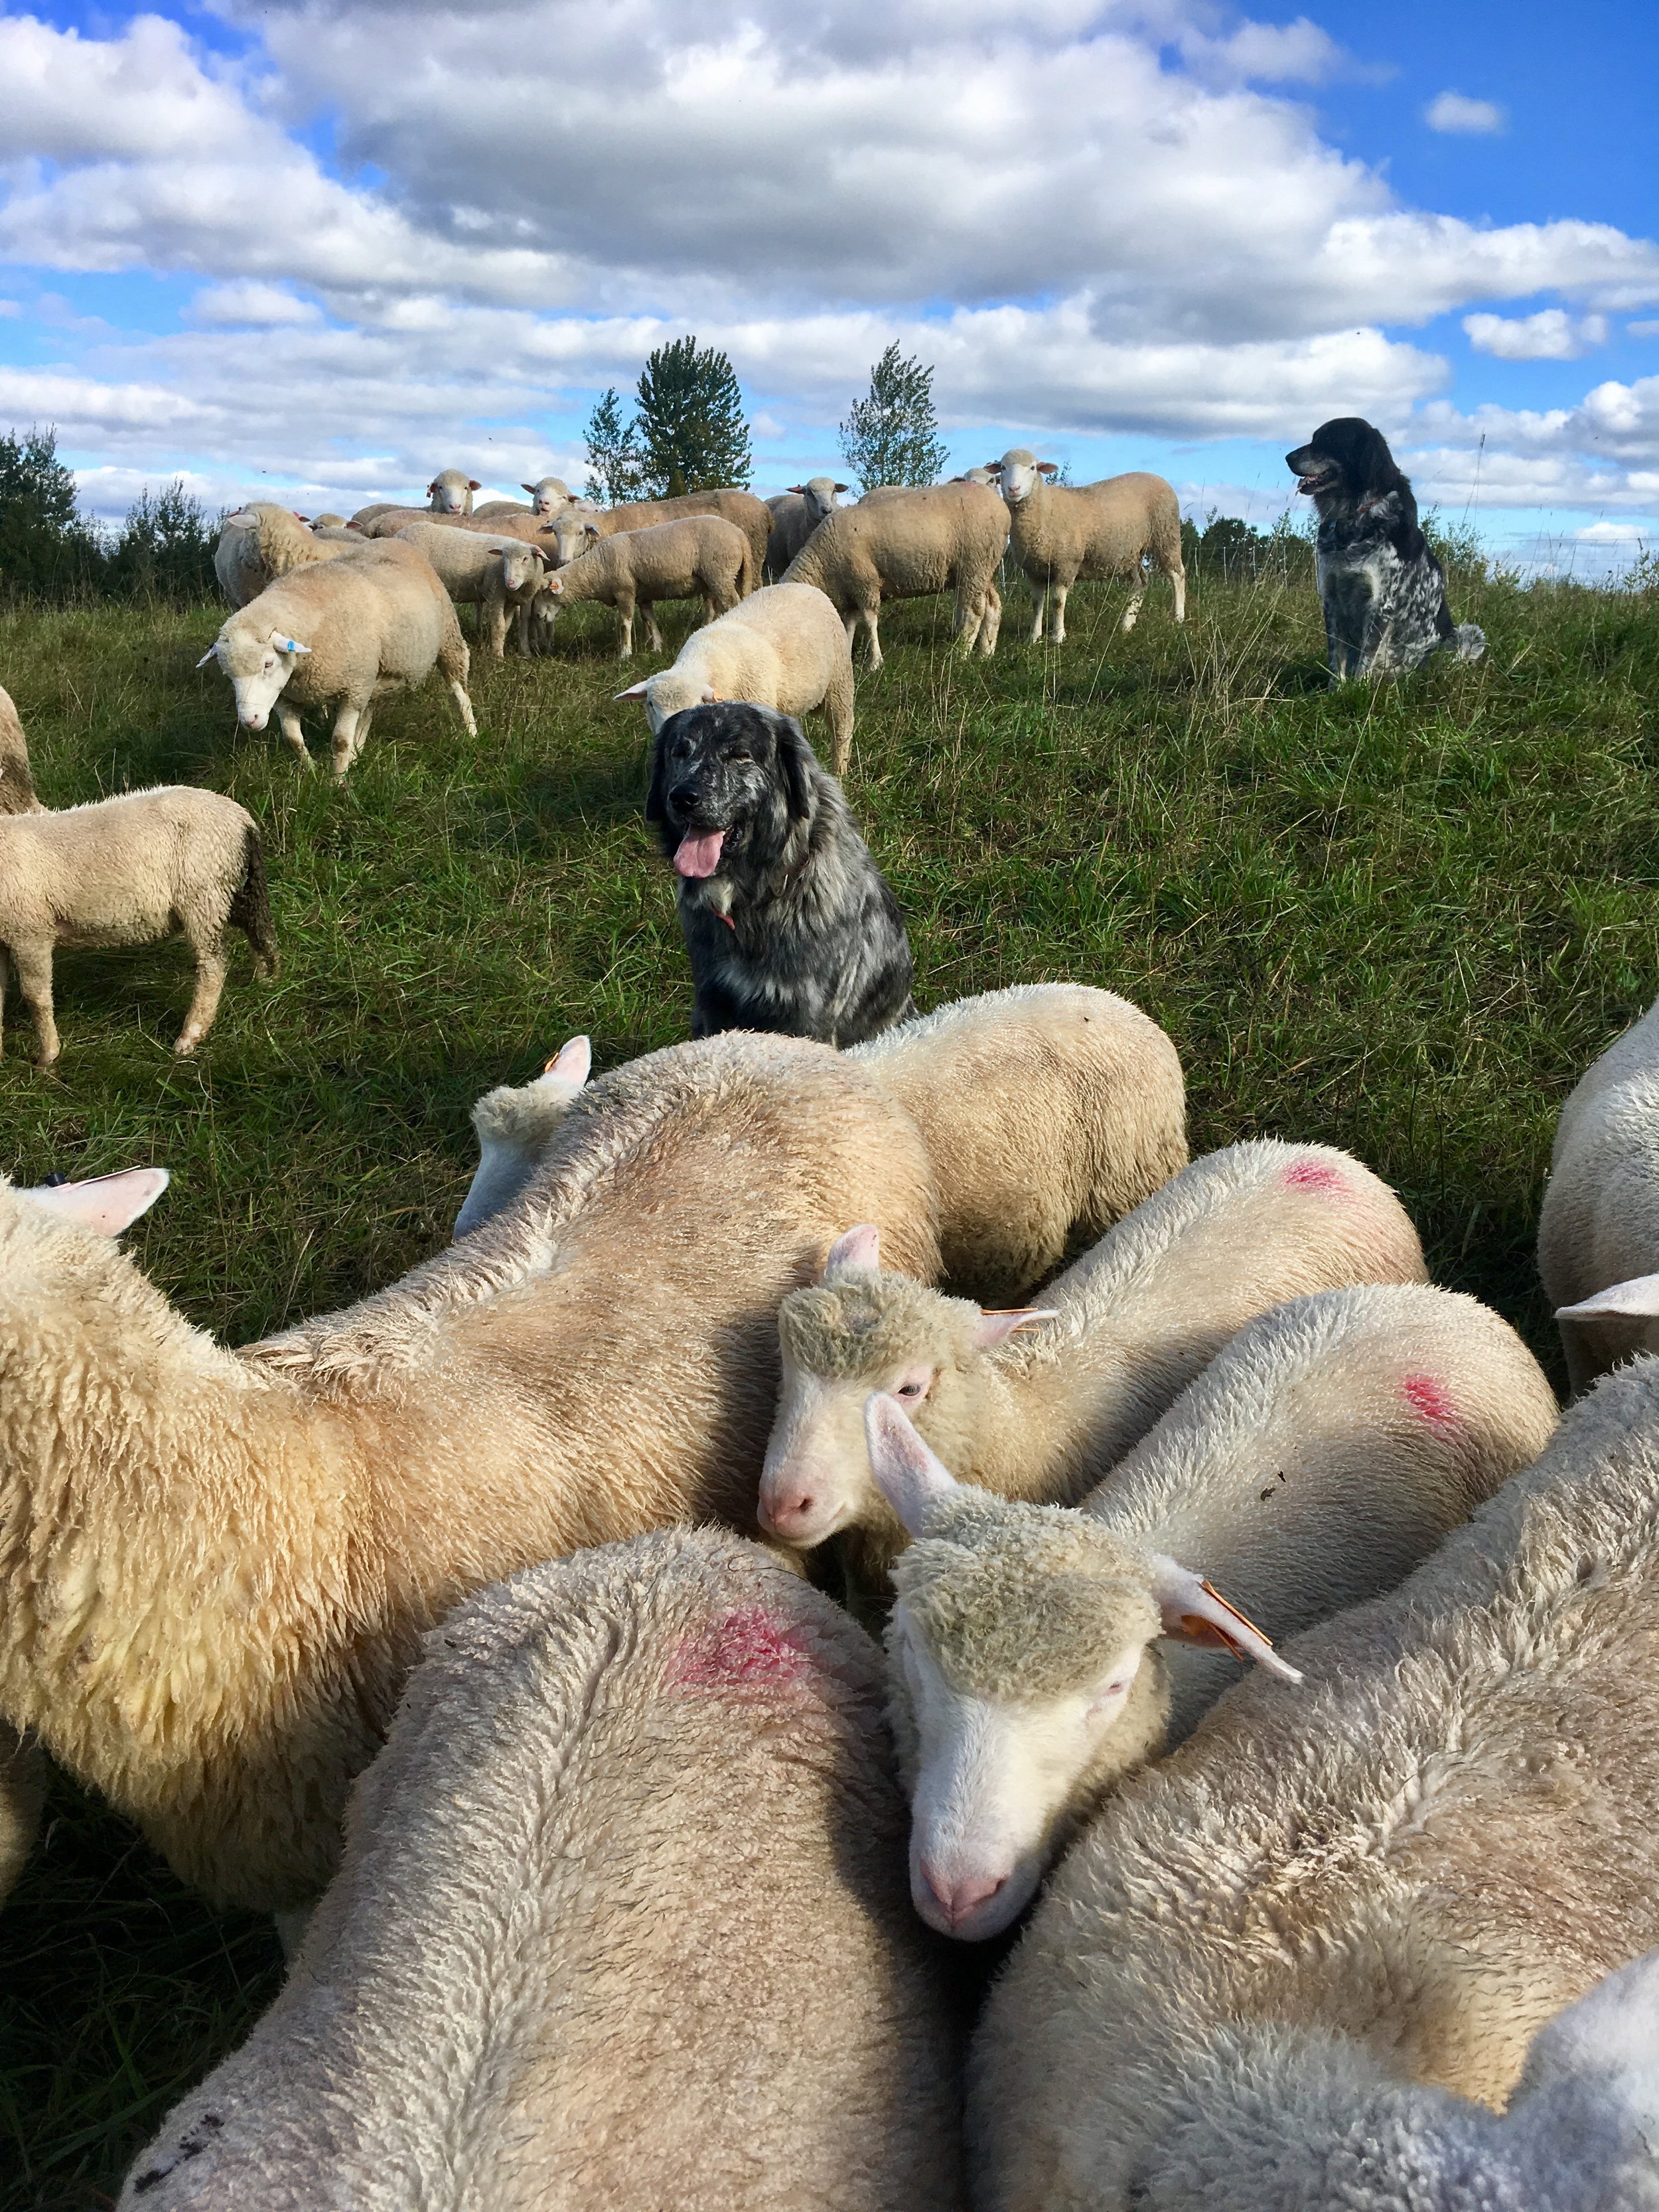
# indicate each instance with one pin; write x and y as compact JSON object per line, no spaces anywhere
{"x":450,"y":490}
{"x":548,"y":494}
{"x":257,"y":664}
{"x":1018,"y":472}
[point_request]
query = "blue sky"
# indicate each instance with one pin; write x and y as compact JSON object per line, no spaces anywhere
{"x":323,"y":250}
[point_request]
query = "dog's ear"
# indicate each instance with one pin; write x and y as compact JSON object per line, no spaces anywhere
{"x":797,"y":765}
{"x":655,"y":807}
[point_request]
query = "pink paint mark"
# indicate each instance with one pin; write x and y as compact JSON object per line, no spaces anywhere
{"x":750,"y":1648}
{"x":1314,"y":1175}
{"x":1429,"y":1398}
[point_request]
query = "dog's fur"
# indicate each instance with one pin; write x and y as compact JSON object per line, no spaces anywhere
{"x":795,"y":929}
{"x":1384,"y":590}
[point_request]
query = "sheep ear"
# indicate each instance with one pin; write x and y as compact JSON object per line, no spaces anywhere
{"x":1638,"y":1298}
{"x":634,"y":690}
{"x":590,"y":530}
{"x":799,"y":490}
{"x":287,"y":644}
{"x":242,"y":519}
{"x":1048,"y":468}
{"x":107,"y":1203}
{"x":529,"y":487}
{"x":913,"y":1481}
{"x":212,"y":654}
{"x":854,"y":1250}
{"x":996,"y":1328}
{"x":710,"y":697}
{"x":472,"y":484}
{"x":843,"y":487}
{"x":1197,"y":1613}
{"x":573,"y":1061}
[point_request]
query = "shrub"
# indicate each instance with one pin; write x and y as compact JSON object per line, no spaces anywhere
{"x":48,"y":549}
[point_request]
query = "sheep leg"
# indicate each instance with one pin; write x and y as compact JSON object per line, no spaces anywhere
{"x":625,"y":609}
{"x":870,"y":613}
{"x":295,"y":733}
{"x":1058,"y":597}
{"x":1137,"y":593}
{"x":210,"y":966}
{"x":1041,"y":610}
{"x":968,"y":616}
{"x":34,"y":966}
{"x":838,"y":716}
{"x":4,"y":979}
{"x":1178,"y":585}
{"x":496,"y":632}
{"x":653,"y":634}
{"x":991,"y":627}
{"x":345,"y":736}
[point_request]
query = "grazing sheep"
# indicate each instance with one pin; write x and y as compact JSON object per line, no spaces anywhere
{"x":215,"y":1567}
{"x":127,"y":870}
{"x":621,"y":1924}
{"x":17,"y":783}
{"x":1598,"y":1234}
{"x":947,"y":538}
{"x":262,"y":542}
{"x":1050,"y":1110}
{"x":796,"y":513}
{"x":1134,"y":1321}
{"x":450,"y":490}
{"x":1320,"y":1457}
{"x":515,"y":1128}
{"x":498,"y":575}
{"x":1098,"y":531}
{"x":783,"y":646}
{"x":699,"y":556}
{"x":1254,"y":1980}
{"x":343,"y":636}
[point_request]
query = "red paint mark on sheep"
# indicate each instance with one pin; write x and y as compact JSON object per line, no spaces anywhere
{"x":1429,"y":1398}
{"x":1314,"y":1175}
{"x":749,"y":1648}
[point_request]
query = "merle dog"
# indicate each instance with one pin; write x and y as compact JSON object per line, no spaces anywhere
{"x":1384,"y":591}
{"x":787,"y":919}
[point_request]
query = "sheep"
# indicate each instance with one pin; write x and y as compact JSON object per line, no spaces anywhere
{"x":947,"y":538}
{"x":325,"y":521}
{"x":977,"y":476}
{"x":698,"y":557}
{"x":260,"y":542}
{"x":1598,"y":1233}
{"x":450,"y":490}
{"x":127,"y":870}
{"x":782,"y":647}
{"x":651,"y":1949}
{"x":515,"y":1128}
{"x":17,"y":783}
{"x":1320,"y":1456}
{"x":548,"y":494}
{"x":740,"y":509}
{"x":1137,"y":1317}
{"x":796,"y":513}
{"x":1257,"y":1977}
{"x":215,"y":1566}
{"x":498,"y":575}
{"x":342,"y":636}
{"x":1050,"y":1111}
{"x":1098,"y":531}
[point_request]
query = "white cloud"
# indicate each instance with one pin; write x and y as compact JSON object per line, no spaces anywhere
{"x":1452,"y":111}
{"x":1550,"y":335}
{"x":10,"y":307}
{"x":264,"y":306}
{"x":1642,"y":330}
{"x":767,"y":426}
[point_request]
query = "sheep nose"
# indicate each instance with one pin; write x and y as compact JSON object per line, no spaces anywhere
{"x":788,"y":1514}
{"x":957,"y":1899}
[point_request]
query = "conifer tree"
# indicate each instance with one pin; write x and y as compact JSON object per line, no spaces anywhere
{"x":48,"y":547}
{"x":689,"y":425}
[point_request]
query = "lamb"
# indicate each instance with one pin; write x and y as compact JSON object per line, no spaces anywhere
{"x":782,"y":647}
{"x":343,"y":636}
{"x":17,"y":783}
{"x":1099,"y":531}
{"x":261,"y":541}
{"x":740,"y":509}
{"x":698,"y":557}
{"x":498,"y":575}
{"x":1137,"y":1318}
{"x":1276,"y":1964}
{"x":1598,"y":1234}
{"x":653,"y":1949}
{"x":947,"y":538}
{"x":796,"y":513}
{"x":515,"y":1128}
{"x":215,"y":1567}
{"x":1320,"y":1457}
{"x":127,"y":870}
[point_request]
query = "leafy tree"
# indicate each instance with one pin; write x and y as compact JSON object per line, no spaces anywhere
{"x":48,"y":547}
{"x":165,"y":549}
{"x":891,"y":437}
{"x":614,"y":460}
{"x":689,"y":426}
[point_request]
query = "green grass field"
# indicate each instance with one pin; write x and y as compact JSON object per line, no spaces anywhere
{"x":1402,"y":920}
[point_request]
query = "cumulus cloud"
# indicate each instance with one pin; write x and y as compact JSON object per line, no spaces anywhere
{"x":1550,"y":335}
{"x":1452,"y":111}
{"x":263,"y":305}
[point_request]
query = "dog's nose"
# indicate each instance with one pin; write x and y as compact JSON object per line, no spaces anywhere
{"x":682,"y":795}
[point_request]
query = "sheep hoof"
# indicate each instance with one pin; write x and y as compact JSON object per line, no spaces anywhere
{"x":185,"y":1046}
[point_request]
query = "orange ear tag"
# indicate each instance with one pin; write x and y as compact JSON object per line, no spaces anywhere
{"x":1197,"y":1630}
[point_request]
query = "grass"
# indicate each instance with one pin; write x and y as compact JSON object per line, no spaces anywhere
{"x":1401,"y":919}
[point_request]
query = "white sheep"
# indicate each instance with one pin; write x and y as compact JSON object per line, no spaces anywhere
{"x":977,"y":476}
{"x":1132,"y":1321}
{"x":515,"y":1127}
{"x":947,"y":538}
{"x":740,"y":509}
{"x":450,"y":490}
{"x":1274,"y":1966}
{"x":783,"y":646}
{"x":127,"y":870}
{"x":17,"y":782}
{"x":1097,"y":531}
{"x":548,"y":494}
{"x":343,"y":636}
{"x":260,"y":542}
{"x":621,"y":1924}
{"x":697,"y":557}
{"x":325,"y":521}
{"x":1320,"y":1457}
{"x":498,"y":575}
{"x":216,"y":1566}
{"x":796,"y":513}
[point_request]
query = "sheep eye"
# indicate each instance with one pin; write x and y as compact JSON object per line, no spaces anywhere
{"x":909,"y":1389}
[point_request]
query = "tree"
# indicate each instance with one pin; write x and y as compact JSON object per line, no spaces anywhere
{"x":689,"y":427}
{"x":48,"y":547}
{"x":892,"y":436}
{"x":165,"y":549}
{"x":614,"y":460}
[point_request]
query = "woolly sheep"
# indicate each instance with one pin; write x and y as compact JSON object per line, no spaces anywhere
{"x":326,"y":521}
{"x":740,"y":509}
{"x":548,"y":494}
{"x":498,"y":575}
{"x":796,"y":513}
{"x":1254,"y":1980}
{"x":1136,"y":1319}
{"x":1598,"y":1234}
{"x":782,"y":647}
{"x":599,"y":1360}
{"x":1320,"y":1457}
{"x":260,"y":542}
{"x":699,"y":556}
{"x":977,"y":476}
{"x":342,"y":636}
{"x":947,"y":538}
{"x":17,"y":783}
{"x":651,"y":1949}
{"x":127,"y":870}
{"x":515,"y":1127}
{"x":1099,"y":530}
{"x":450,"y":490}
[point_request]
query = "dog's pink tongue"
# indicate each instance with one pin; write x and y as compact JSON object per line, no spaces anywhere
{"x":699,"y":853}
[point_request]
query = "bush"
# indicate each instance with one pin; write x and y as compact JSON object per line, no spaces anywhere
{"x":165,"y":550}
{"x":891,"y":436}
{"x":48,"y":549}
{"x":1231,"y":552}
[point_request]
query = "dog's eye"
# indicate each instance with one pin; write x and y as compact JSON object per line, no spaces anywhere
{"x":740,"y":756}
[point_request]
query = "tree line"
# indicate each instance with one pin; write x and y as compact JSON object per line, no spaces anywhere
{"x":50,"y":550}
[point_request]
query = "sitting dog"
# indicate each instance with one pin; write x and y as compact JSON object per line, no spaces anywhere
{"x":1383,"y":590}
{"x":787,"y":919}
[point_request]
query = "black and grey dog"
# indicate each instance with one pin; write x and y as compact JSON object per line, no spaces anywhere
{"x":1384,"y":590}
{"x":787,"y":919}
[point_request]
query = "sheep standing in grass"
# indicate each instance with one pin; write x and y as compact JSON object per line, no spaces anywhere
{"x":260,"y":542}
{"x":948,"y":538}
{"x":17,"y":782}
{"x":500,"y":576}
{"x":740,"y":509}
{"x":215,"y":1567}
{"x":783,"y":646}
{"x":796,"y":513}
{"x":1320,"y":1457}
{"x":516,"y":1126}
{"x":699,"y":556}
{"x":1274,"y":1966}
{"x":127,"y":870}
{"x":651,"y":1948}
{"x":1098,"y":531}
{"x":1130,"y":1326}
{"x":343,"y":636}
